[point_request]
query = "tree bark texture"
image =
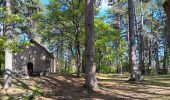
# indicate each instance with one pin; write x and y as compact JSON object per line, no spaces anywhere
{"x":90,"y":79}
{"x":8,"y":54}
{"x":142,"y":66}
{"x":166,"y":6}
{"x":135,"y":76}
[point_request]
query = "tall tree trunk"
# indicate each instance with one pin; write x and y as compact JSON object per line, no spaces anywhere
{"x":90,"y":79}
{"x":142,"y":67}
{"x":121,"y":68}
{"x":166,"y":6}
{"x":78,"y":53}
{"x":120,"y":46}
{"x":149,"y":54}
{"x":129,"y":58}
{"x":154,"y":47}
{"x":8,"y":54}
{"x":165,"y":54}
{"x":167,"y":11}
{"x":135,"y":75}
{"x":157,"y":56}
{"x":78,"y":60}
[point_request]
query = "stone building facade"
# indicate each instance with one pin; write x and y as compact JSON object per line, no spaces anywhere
{"x":34,"y":59}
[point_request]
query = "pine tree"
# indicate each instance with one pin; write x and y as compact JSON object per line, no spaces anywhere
{"x":90,"y":79}
{"x":135,"y":75}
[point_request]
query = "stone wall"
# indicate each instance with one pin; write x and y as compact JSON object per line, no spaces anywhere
{"x":35,"y":54}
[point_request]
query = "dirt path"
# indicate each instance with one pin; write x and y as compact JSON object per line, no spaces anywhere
{"x":112,"y":87}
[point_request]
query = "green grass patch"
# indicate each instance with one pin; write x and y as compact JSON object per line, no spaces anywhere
{"x":160,"y":80}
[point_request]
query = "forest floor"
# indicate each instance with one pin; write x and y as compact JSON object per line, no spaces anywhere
{"x":68,"y":87}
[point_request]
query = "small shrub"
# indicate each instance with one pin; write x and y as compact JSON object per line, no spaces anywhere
{"x":113,"y":69}
{"x":68,"y":70}
{"x":153,"y":71}
{"x":126,"y":66}
{"x":108,"y":69}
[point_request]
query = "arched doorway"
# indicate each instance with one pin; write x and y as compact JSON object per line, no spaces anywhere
{"x":30,"y":68}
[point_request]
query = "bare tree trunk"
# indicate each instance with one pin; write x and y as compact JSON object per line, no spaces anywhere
{"x":76,"y":23}
{"x":166,"y":6}
{"x":90,"y":79}
{"x":121,"y":68}
{"x":128,"y":38}
{"x":167,"y":11}
{"x":8,"y":54}
{"x":149,"y":54}
{"x":142,"y":67}
{"x":78,"y":60}
{"x":78,"y":53}
{"x":157,"y":56}
{"x":165,"y":54}
{"x":8,"y":68}
{"x":135,"y":75}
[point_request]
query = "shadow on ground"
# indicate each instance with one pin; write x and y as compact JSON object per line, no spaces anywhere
{"x":112,"y":87}
{"x":19,"y":89}
{"x":69,"y":88}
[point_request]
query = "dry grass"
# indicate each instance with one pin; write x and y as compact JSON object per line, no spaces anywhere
{"x":112,"y":87}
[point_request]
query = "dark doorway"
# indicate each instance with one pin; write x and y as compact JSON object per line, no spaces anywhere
{"x":30,"y":68}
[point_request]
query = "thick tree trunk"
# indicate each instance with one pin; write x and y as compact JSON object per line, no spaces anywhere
{"x":8,"y":54}
{"x":8,"y":68}
{"x":167,"y":11}
{"x":135,"y":75}
{"x":90,"y":79}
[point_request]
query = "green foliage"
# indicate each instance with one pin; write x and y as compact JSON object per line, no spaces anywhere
{"x":63,"y":29}
{"x":108,"y":69}
{"x":2,"y":42}
{"x":67,"y":70}
{"x":119,"y":8}
{"x":168,"y":56}
{"x":126,"y":66}
{"x":2,"y":54}
{"x":153,"y":71}
{"x":18,"y":22}
{"x":34,"y":94}
{"x":110,"y":47}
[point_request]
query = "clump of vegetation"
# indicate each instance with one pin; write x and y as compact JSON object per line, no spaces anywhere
{"x":153,"y":71}
{"x":108,"y":69}
{"x":35,"y":94}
